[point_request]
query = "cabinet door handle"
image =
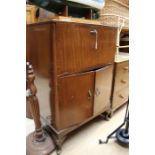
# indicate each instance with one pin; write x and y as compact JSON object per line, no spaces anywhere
{"x":97,"y":92}
{"x":90,"y":94}
{"x":96,"y":37}
{"x":121,"y":96}
{"x":123,"y":81}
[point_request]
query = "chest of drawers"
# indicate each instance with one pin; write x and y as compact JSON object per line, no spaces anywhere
{"x":73,"y":64}
{"x":120,"y":91}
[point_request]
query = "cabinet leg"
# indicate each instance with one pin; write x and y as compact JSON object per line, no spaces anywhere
{"x":107,"y":115}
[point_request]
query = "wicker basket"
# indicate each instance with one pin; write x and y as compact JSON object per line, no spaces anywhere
{"x":115,"y":13}
{"x":123,"y":2}
{"x":116,"y":21}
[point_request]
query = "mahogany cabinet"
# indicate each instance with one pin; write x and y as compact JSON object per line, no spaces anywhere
{"x":73,"y":64}
{"x":120,"y":91}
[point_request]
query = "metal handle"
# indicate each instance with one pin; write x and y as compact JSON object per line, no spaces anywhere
{"x":90,"y":94}
{"x":96,"y":37}
{"x":97,"y":92}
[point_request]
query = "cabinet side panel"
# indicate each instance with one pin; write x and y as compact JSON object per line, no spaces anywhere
{"x":39,"y":48}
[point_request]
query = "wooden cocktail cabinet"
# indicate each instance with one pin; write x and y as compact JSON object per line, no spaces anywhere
{"x":73,"y":64}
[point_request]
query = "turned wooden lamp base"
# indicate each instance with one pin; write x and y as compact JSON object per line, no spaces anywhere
{"x":38,"y":142}
{"x":43,"y":147}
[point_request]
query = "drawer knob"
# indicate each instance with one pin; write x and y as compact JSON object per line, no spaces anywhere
{"x":126,"y":68}
{"x":95,"y":32}
{"x":121,"y":96}
{"x":123,"y":81}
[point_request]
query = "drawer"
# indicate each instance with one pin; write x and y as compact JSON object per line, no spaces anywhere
{"x":121,"y":76}
{"x":80,"y":47}
{"x":120,"y":97}
{"x":121,"y":82}
{"x":122,"y":68}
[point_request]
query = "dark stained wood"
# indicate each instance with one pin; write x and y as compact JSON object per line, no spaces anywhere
{"x":76,"y":94}
{"x":89,"y":15}
{"x":75,"y":45}
{"x":39,"y":49}
{"x":65,"y":57}
{"x":65,"y":11}
{"x":27,"y":47}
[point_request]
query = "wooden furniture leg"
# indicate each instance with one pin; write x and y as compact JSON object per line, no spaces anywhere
{"x":38,"y":142}
{"x":28,"y":113}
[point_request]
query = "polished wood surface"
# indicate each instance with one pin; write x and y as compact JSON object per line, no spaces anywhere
{"x":120,"y":91}
{"x":39,"y":44}
{"x":103,"y":85}
{"x":65,"y":56}
{"x":39,"y":49}
{"x":75,"y":45}
{"x":75,"y":99}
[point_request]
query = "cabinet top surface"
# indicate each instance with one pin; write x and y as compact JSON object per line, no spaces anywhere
{"x":70,"y":20}
{"x":121,"y":57}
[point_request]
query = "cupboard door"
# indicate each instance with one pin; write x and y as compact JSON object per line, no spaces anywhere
{"x":103,"y":85}
{"x":75,"y":99}
{"x":81,"y":47}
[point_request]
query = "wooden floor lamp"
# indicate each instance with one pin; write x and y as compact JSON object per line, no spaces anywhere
{"x":38,"y":142}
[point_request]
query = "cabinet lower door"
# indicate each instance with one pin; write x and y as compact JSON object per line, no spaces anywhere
{"x":103,"y":85}
{"x":75,"y":99}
